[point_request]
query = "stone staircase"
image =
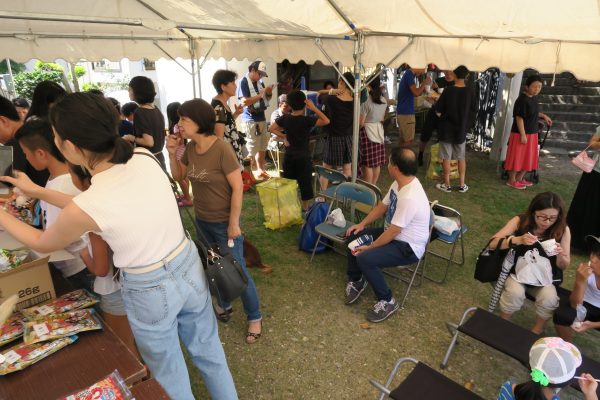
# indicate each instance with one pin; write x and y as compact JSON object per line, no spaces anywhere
{"x":574,"y":108}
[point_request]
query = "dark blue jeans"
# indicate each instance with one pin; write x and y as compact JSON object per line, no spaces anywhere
{"x":216,"y":232}
{"x":370,"y":262}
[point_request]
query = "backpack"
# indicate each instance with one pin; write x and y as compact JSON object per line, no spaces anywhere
{"x":315,"y":215}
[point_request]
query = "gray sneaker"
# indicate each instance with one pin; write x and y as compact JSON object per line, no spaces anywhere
{"x":382,"y":310}
{"x":354,"y":290}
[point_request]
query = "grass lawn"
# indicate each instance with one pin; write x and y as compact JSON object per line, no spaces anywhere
{"x":313,"y":346}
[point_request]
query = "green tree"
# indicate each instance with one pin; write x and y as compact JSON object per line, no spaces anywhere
{"x":15,"y":66}
{"x":25,"y":82}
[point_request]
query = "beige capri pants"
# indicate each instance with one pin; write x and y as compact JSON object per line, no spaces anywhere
{"x":513,"y":297}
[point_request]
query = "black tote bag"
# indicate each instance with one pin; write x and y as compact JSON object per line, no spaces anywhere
{"x":489,"y":262}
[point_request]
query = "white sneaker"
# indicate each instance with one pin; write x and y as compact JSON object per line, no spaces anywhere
{"x":443,"y":187}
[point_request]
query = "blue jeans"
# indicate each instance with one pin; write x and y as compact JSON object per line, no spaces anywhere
{"x":370,"y":262}
{"x":216,"y":232}
{"x":173,"y":303}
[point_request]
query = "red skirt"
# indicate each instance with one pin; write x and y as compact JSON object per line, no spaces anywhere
{"x":522,"y":157}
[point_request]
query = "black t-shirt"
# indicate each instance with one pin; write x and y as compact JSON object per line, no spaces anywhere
{"x":340,"y":114}
{"x":151,"y":122}
{"x":454,"y":105}
{"x":527,"y":108}
{"x":297,"y":129}
{"x":20,"y":163}
{"x":442,"y":83}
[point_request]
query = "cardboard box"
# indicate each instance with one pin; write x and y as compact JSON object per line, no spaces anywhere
{"x":30,"y":281}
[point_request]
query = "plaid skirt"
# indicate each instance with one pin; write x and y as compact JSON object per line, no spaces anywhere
{"x":338,"y":150}
{"x":372,"y":155}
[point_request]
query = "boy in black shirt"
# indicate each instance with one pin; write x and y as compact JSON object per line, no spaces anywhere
{"x":453,"y":109}
{"x":297,"y":161}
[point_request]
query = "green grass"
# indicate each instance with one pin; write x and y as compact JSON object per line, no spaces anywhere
{"x":313,"y":346}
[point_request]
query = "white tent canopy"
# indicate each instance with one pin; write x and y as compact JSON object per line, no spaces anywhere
{"x":548,"y":35}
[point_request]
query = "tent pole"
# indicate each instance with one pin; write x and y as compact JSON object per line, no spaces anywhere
{"x":319,"y":44}
{"x":358,"y":49}
{"x":171,"y":57}
{"x":344,"y":16}
{"x":192,"y":45}
{"x":12,"y":79}
{"x":200,"y":65}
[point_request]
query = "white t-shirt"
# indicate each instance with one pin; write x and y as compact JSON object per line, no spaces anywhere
{"x":592,"y":294}
{"x":63,"y":184}
{"x":134,"y":206}
{"x":408,"y":209}
{"x":108,"y":284}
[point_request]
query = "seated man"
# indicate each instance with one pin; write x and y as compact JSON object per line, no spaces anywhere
{"x":582,"y":310}
{"x":401,"y":242}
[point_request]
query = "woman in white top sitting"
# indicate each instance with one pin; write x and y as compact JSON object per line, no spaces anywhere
{"x":131,"y":206}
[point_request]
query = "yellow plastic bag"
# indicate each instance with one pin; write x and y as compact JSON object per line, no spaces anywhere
{"x":279,"y":199}
{"x":435,"y":170}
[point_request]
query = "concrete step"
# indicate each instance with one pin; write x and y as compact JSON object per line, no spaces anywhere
{"x":568,"y":99}
{"x":569,"y":90}
{"x":568,"y":108}
{"x":579,"y":137}
{"x":573,"y":116}
{"x":575,"y":126}
{"x":564,"y":144}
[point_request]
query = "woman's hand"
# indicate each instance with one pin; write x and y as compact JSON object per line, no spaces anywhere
{"x":547,"y":120}
{"x":523,"y":139}
{"x":233,"y":231}
{"x":585,"y":325}
{"x":172,"y":143}
{"x":527,"y":239}
{"x":23,"y":183}
{"x":239,"y":108}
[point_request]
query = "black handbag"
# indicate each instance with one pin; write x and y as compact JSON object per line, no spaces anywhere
{"x":226,"y":277}
{"x":489,"y":262}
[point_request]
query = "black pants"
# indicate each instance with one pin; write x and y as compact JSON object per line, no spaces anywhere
{"x":565,"y":314}
{"x":299,"y":167}
{"x":430,"y":125}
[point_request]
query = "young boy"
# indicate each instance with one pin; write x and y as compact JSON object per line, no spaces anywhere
{"x":37,"y":141}
{"x":297,"y":161}
{"x":585,"y":296}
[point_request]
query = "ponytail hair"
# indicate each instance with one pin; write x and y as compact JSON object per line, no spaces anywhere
{"x":529,"y":390}
{"x":375,"y":94}
{"x":91,"y":123}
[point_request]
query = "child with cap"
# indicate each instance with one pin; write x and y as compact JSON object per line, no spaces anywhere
{"x":581,"y":311}
{"x":553,"y":364}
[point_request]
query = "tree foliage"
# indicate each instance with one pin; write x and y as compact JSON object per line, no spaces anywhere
{"x":25,"y":82}
{"x":15,"y":66}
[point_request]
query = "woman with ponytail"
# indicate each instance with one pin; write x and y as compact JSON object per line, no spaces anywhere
{"x":553,"y":365}
{"x":131,"y":206}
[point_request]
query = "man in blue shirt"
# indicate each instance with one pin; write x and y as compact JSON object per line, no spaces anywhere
{"x":405,"y":109}
{"x":255,"y":96}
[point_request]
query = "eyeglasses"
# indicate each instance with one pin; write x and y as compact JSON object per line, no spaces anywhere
{"x":545,"y":218}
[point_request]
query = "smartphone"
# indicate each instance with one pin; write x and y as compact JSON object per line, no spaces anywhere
{"x":341,"y":235}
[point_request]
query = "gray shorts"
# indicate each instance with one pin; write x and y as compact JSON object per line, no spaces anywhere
{"x":451,"y":151}
{"x":112,"y":303}
{"x":257,"y":137}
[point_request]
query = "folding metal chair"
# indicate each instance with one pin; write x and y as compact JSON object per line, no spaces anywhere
{"x":451,"y":240}
{"x":373,"y":187}
{"x":423,"y":382}
{"x":334,"y":178}
{"x":398,"y":276}
{"x":348,"y":195}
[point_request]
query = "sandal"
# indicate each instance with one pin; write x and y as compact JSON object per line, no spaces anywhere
{"x":252,"y":337}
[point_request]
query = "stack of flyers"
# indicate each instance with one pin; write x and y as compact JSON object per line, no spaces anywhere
{"x":60,"y":325}
{"x":71,"y":301}
{"x":362,"y":240}
{"x":12,"y":328}
{"x":23,"y":355}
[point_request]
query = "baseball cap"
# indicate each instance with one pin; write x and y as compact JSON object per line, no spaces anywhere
{"x":553,"y":361}
{"x":261,"y":67}
{"x":592,"y":241}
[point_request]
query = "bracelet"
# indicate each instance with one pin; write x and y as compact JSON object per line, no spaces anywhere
{"x":510,"y":238}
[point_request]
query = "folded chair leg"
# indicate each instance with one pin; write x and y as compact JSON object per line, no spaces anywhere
{"x":454,"y":340}
{"x":315,"y":248}
{"x":414,"y":274}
